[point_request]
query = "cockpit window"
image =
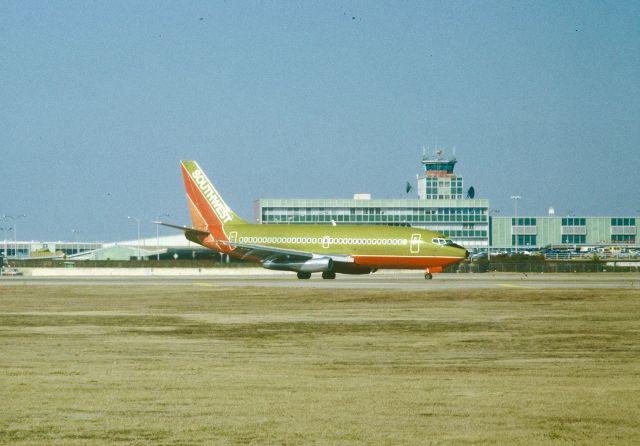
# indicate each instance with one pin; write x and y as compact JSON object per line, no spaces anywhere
{"x":442,"y":242}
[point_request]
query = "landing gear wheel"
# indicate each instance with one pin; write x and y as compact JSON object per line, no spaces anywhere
{"x":428,"y":276}
{"x":304,"y":275}
{"x":328,"y":275}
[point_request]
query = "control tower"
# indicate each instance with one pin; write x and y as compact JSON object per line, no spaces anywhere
{"x":438,"y":181}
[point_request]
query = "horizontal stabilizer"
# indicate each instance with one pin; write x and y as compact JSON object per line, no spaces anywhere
{"x":183,"y":228}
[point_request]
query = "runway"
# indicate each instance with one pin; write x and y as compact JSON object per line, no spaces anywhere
{"x":391,"y":281}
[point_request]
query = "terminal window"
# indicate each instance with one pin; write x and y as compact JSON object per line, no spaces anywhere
{"x":523,"y":240}
{"x":623,"y":222}
{"x":574,"y":222}
{"x":574,"y":238}
{"x":524,"y":222}
{"x":623,"y":238}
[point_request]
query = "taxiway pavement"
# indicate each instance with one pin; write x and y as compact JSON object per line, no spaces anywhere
{"x":393,"y":281}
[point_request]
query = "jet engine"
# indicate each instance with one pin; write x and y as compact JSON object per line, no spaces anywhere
{"x":317,"y":265}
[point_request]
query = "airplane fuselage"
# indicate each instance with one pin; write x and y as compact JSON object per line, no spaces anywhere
{"x":372,"y":247}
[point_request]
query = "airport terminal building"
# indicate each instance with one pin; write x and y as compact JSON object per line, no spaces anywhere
{"x":442,"y":205}
{"x":509,"y":233}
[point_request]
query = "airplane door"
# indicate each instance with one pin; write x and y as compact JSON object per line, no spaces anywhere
{"x":415,"y":243}
{"x":233,"y":237}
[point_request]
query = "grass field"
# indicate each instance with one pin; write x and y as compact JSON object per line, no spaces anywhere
{"x":207,"y":365}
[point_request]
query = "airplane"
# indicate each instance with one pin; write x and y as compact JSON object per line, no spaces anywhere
{"x":306,"y":249}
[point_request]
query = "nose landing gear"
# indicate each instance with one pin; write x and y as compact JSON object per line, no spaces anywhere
{"x":427,"y":274}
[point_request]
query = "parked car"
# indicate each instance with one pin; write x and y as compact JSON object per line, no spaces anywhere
{"x":479,"y":256}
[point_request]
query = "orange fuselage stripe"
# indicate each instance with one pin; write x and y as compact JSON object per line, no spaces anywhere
{"x":404,"y":262}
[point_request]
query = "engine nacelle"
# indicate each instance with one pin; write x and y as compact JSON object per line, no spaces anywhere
{"x":318,"y":265}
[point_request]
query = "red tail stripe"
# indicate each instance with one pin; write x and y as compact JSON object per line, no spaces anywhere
{"x":204,"y":207}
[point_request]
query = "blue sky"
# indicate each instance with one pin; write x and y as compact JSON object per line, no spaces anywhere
{"x":316,"y":99}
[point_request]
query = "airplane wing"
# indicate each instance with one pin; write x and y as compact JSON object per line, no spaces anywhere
{"x":271,"y":253}
{"x":262,"y":252}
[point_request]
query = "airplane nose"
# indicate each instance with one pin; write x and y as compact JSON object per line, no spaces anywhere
{"x":460,"y":248}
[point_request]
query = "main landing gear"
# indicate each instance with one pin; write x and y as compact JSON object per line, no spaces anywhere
{"x":427,"y":275}
{"x":325,"y":275}
{"x":328,"y":275}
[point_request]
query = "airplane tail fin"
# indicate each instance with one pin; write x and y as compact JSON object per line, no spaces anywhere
{"x":208,"y":210}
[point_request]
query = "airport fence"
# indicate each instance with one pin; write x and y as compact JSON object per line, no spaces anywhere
{"x":186,"y":263}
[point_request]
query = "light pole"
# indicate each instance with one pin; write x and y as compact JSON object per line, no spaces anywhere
{"x":138,"y":222}
{"x":15,"y":227}
{"x":515,"y":199}
{"x":494,"y":212}
{"x":75,"y":237}
{"x":157,"y":222}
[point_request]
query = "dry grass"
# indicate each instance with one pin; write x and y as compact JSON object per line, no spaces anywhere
{"x":151,"y":365}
